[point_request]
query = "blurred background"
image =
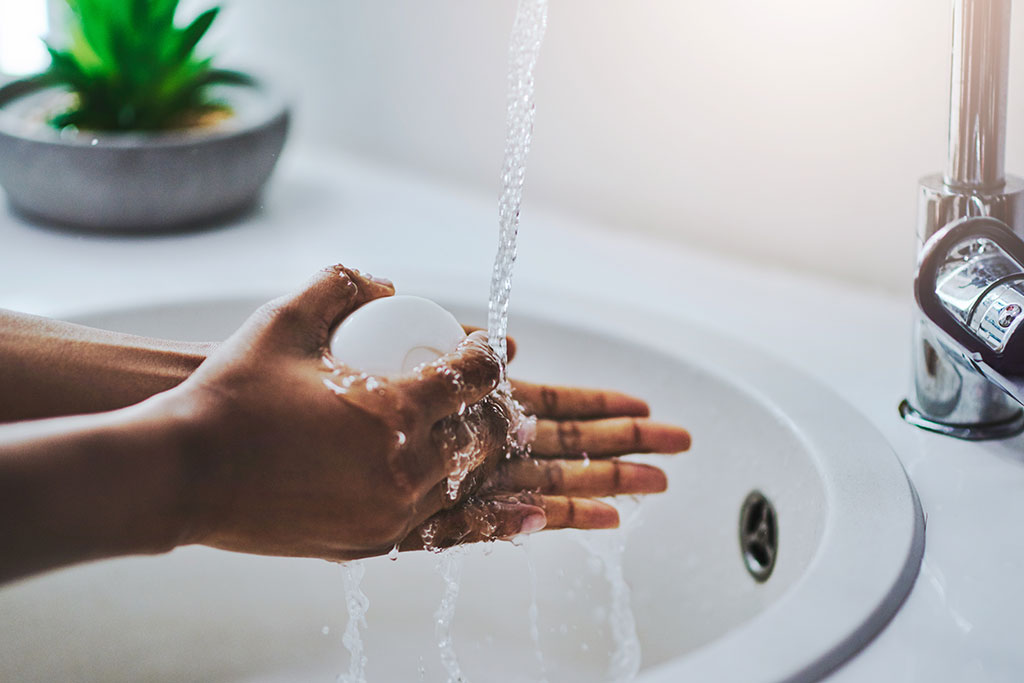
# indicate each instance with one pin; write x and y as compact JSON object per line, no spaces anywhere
{"x":787,"y":133}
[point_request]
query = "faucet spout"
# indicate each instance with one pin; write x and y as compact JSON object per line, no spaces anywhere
{"x":977,"y":98}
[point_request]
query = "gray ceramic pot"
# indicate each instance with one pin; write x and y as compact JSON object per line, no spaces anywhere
{"x":139,"y":181}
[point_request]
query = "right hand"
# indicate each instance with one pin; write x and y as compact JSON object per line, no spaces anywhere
{"x":289,"y":453}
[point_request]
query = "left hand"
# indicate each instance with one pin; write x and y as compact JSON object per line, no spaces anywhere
{"x":580,"y":434}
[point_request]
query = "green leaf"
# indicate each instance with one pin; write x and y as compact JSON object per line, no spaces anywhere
{"x":191,"y":36}
{"x":63,"y":67}
{"x":141,"y":18}
{"x":83,"y":53}
{"x":130,"y":66}
{"x":163,"y":12}
{"x":95,"y":24}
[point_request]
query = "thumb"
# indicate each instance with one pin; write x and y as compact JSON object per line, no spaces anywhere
{"x":307,"y":317}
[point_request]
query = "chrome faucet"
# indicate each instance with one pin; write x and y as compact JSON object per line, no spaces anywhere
{"x":968,"y":364}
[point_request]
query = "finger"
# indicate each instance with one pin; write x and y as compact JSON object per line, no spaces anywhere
{"x":475,"y":522}
{"x":568,"y":512}
{"x":470,"y":444}
{"x":444,"y":495}
{"x":571,"y":402}
{"x":578,"y":478}
{"x":455,"y":380}
{"x":510,"y":342}
{"x":611,"y":437}
{"x":306,"y":318}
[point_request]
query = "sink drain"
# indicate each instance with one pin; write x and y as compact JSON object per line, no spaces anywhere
{"x":759,"y":535}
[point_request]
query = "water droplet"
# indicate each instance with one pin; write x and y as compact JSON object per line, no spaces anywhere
{"x":393,"y":554}
{"x":335,"y":389}
{"x":400,"y":438}
{"x":325,"y":630}
{"x":428,"y":533}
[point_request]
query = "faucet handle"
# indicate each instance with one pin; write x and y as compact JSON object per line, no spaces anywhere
{"x":970,"y":285}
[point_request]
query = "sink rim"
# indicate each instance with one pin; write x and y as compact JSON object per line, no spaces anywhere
{"x":770,"y":645}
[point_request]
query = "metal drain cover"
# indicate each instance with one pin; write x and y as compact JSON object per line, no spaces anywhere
{"x":759,"y":535}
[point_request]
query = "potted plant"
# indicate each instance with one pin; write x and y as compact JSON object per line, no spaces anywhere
{"x":128,"y":129}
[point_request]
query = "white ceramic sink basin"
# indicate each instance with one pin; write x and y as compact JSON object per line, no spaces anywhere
{"x":850,"y":539}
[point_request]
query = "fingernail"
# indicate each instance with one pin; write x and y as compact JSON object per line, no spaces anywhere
{"x":366,"y":277}
{"x":533,"y":522}
{"x":382,"y":281}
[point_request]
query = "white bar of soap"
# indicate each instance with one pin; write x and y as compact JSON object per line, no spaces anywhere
{"x":395,"y":334}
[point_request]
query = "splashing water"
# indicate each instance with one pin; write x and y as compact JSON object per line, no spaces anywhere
{"x":357,"y":604}
{"x":609,"y":549}
{"x":464,"y":436}
{"x":465,"y":445}
{"x":524,"y":48}
{"x":533,"y":614}
{"x":449,"y":565}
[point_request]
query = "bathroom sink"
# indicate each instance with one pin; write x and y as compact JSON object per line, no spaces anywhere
{"x":849,"y":535}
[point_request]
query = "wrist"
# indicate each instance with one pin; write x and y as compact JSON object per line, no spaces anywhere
{"x":168,"y":462}
{"x":90,"y":487}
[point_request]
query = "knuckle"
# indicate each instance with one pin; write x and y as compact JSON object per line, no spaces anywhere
{"x":338,"y":282}
{"x":336,"y":270}
{"x":637,"y":434}
{"x":481,"y":366}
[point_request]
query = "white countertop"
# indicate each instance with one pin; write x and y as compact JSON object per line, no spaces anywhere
{"x":960,"y":621}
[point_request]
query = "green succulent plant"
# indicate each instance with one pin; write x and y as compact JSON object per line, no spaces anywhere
{"x":130,"y":67}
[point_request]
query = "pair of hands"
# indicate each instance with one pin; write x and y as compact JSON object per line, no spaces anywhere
{"x":290,"y":453}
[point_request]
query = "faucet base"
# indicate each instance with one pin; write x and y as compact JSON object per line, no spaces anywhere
{"x":1002,"y":429}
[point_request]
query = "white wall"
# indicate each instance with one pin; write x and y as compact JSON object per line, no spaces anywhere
{"x":790,"y":132}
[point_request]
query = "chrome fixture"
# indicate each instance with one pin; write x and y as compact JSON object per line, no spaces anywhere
{"x":759,"y":535}
{"x":970,"y":256}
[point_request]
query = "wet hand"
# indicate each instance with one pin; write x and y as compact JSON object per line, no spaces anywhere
{"x":579,"y":435}
{"x":290,"y":453}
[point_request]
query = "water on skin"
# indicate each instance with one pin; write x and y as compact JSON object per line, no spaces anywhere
{"x":465,"y":445}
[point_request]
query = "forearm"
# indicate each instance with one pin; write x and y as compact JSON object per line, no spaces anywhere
{"x":50,"y":368}
{"x":87,"y":487}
